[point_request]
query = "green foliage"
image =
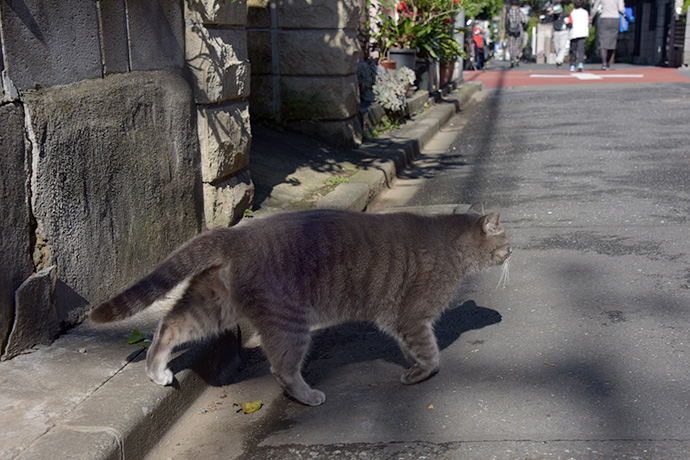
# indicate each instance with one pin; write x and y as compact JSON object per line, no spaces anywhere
{"x":532,"y":22}
{"x":335,"y":180}
{"x":424,"y":25}
{"x":385,"y":125}
{"x":684,"y":8}
{"x":137,"y":338}
{"x":486,"y":9}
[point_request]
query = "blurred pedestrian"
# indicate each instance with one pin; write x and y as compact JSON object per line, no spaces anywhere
{"x":478,"y":43}
{"x":608,"y":13}
{"x":579,"y":31}
{"x":515,"y":22}
{"x":560,"y":34}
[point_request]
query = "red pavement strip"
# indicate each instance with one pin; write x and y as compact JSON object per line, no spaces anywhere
{"x":504,"y":79}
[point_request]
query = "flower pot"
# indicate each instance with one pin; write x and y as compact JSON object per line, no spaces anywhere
{"x":425,"y":71}
{"x":388,"y":65}
{"x":446,"y":73}
{"x":403,"y":57}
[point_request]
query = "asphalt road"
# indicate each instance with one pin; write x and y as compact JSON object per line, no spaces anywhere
{"x":584,"y":354}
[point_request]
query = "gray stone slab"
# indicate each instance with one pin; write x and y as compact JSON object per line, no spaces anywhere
{"x":114,"y":40}
{"x":226,"y":200}
{"x":15,"y":226}
{"x":36,"y":321}
{"x":82,"y":443}
{"x":258,"y":14}
{"x":135,"y":408}
{"x":156,"y":34}
{"x":116,"y":183}
{"x":40,"y":389}
{"x":50,"y":42}
{"x":259,"y":51}
{"x":218,"y":63}
{"x":352,"y":196}
{"x":224,"y":140}
{"x":319,"y":14}
{"x":319,"y":97}
{"x":318,"y":52}
{"x":217,"y":12}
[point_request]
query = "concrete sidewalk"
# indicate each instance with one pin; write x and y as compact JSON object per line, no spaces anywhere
{"x":87,"y":396}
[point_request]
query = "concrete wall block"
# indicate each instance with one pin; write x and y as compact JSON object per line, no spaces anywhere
{"x":344,"y":133}
{"x":219,"y":64}
{"x":318,"y":14}
{"x":8,"y":92}
{"x":114,"y":41}
{"x":261,"y":99}
{"x":258,"y":14}
{"x":259,"y":51}
{"x":319,"y":98}
{"x":116,"y":181}
{"x":36,"y":319}
{"x":50,"y":42}
{"x":217,"y":12}
{"x":15,"y":226}
{"x":318,"y":52}
{"x":226,"y":201}
{"x":224,"y":139}
{"x":156,"y":34}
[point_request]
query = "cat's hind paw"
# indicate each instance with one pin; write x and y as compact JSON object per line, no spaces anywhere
{"x":311,"y":398}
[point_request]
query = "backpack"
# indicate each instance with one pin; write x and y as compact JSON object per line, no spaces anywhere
{"x":559,"y":24}
{"x":514,"y":28}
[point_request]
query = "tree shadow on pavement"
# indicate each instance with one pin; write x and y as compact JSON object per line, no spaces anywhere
{"x":276,"y":156}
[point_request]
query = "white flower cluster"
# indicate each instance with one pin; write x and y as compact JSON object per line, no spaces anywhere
{"x":391,"y":85}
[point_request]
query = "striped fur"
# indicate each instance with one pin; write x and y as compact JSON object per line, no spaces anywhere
{"x":290,"y":273}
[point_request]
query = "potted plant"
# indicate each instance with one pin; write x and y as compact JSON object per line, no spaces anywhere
{"x":412,"y":26}
{"x":449,"y":51}
{"x":422,"y":28}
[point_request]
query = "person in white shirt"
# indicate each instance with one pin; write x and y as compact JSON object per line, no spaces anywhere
{"x":579,"y":22}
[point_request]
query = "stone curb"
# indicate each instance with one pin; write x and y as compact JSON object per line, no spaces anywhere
{"x":395,"y":151}
{"x":125,"y":416}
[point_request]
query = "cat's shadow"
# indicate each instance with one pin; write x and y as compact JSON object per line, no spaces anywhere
{"x":338,"y":346}
{"x":357,"y":342}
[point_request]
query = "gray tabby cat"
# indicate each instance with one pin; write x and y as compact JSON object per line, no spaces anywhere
{"x":293,"y":272}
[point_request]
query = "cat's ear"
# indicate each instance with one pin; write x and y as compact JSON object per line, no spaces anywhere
{"x":476,"y":208}
{"x":490,"y":224}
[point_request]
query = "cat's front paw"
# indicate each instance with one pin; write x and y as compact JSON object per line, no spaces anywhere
{"x":162,"y":378}
{"x":416,"y":374}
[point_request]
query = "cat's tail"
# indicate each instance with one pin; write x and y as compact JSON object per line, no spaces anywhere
{"x":205,"y":251}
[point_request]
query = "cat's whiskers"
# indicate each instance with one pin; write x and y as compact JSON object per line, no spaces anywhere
{"x":505,"y":274}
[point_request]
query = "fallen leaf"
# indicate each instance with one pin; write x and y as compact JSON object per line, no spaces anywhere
{"x":249,"y":407}
{"x":431,"y":406}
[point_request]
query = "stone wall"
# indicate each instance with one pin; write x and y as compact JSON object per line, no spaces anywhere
{"x":305,"y":56}
{"x":216,"y":56}
{"x":124,"y":132}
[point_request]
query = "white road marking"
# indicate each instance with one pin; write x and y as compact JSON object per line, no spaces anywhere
{"x":584,"y":75}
